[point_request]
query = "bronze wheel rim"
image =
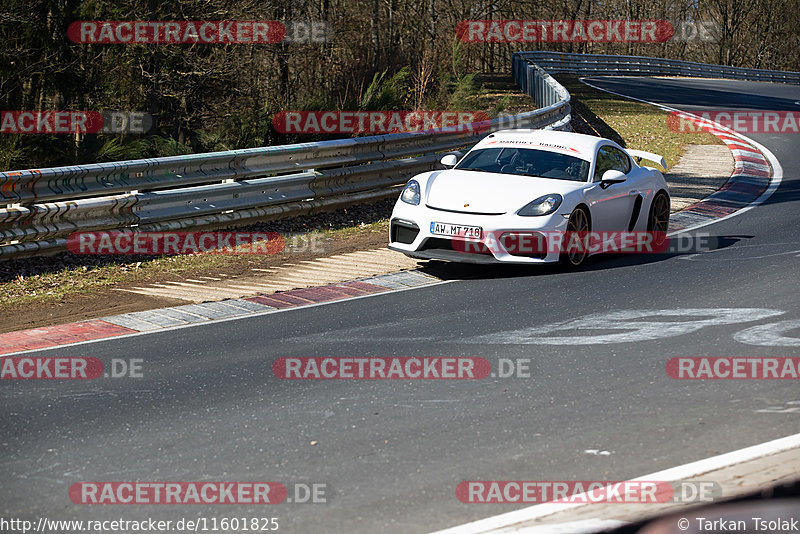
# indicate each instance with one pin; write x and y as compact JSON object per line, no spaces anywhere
{"x":659,"y":220}
{"x":577,"y":229}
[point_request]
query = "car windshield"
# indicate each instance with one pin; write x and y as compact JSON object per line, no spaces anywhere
{"x":526,"y":162}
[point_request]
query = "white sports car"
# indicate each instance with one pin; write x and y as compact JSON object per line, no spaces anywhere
{"x":516,"y":191}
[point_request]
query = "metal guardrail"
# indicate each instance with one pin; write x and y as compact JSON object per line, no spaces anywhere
{"x":220,"y":189}
{"x":600,"y":64}
{"x":45,"y":206}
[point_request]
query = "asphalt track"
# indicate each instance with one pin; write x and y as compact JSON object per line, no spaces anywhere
{"x":392,"y":452}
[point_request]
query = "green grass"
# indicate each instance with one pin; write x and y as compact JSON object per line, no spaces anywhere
{"x":56,"y":284}
{"x":632,"y":124}
{"x":88,"y":274}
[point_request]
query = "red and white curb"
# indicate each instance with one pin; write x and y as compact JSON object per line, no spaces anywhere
{"x":751,"y":177}
{"x":756,"y":175}
{"x":191,"y":314}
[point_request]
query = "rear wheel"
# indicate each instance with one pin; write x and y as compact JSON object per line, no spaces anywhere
{"x":576,"y":247}
{"x":658,"y":220}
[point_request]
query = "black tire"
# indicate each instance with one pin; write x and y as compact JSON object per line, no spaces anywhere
{"x":578,"y":226}
{"x":658,"y":218}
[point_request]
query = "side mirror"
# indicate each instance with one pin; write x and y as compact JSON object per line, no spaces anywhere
{"x":449,"y":160}
{"x":612,"y":176}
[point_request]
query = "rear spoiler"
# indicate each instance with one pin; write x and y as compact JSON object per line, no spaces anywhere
{"x":649,"y":156}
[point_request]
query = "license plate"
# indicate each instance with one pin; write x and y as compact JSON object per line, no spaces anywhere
{"x":456,"y":230}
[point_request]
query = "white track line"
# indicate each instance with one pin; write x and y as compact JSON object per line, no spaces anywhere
{"x":682,"y":472}
{"x":777,"y":174}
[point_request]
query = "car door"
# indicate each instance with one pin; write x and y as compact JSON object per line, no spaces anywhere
{"x":611,"y":205}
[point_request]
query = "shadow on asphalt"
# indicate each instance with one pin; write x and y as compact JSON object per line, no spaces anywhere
{"x":788,"y":191}
{"x":601,"y":262}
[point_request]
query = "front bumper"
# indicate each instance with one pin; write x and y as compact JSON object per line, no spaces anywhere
{"x":410,"y":233}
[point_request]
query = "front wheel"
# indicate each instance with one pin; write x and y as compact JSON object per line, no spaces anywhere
{"x":576,"y":247}
{"x":658,"y":219}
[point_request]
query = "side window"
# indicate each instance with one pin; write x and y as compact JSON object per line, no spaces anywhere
{"x":621,"y":160}
{"x":610,"y":157}
{"x":602,"y":164}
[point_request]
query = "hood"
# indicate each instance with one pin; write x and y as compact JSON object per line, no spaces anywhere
{"x":490,"y":193}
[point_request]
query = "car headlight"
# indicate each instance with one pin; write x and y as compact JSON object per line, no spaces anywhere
{"x":541,"y":206}
{"x":410,"y":194}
